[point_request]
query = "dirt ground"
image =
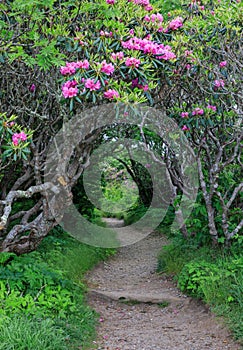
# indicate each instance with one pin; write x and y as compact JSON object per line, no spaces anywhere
{"x":142,"y":310}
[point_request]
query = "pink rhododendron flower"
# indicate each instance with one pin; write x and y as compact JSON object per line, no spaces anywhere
{"x":69,"y":92}
{"x":185,"y":128}
{"x":149,"y":8}
{"x":110,"y":2}
{"x":144,"y":87}
{"x":18,"y":137}
{"x":160,"y":17}
{"x":184,"y":114}
{"x":22,"y":136}
{"x":188,"y":52}
{"x":105,"y":33}
{"x":176,"y":23}
{"x":32,"y":88}
{"x":198,"y":111}
{"x":218,"y":84}
{"x":213,"y":108}
{"x":223,"y":64}
{"x":111,"y":94}
{"x":107,"y":68}
{"x":132,"y":62}
{"x":149,"y":47}
{"x":90,"y":84}
{"x":83,"y":64}
{"x":147,"y":18}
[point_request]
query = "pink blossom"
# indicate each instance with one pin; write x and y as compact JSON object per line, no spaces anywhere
{"x":83,"y":64}
{"x":218,"y":83}
{"x":132,"y":62}
{"x":70,"y":83}
{"x":147,"y":18}
{"x":15,"y":139}
{"x":185,"y":128}
{"x":202,"y":7}
{"x":69,"y":92}
{"x":176,"y":23}
{"x":188,"y":66}
{"x":105,"y":33}
{"x":32,"y":88}
{"x":184,"y":114}
{"x":160,"y":17}
{"x":107,"y":68}
{"x":11,"y":124}
{"x":145,"y":87}
{"x":68,"y":69}
{"x":90,"y":84}
{"x":153,"y":17}
{"x":223,"y":64}
{"x":131,"y":31}
{"x":198,"y":111}
{"x":110,"y":2}
{"x":188,"y":52}
{"x":213,"y":108}
{"x":111,"y":94}
{"x":18,"y":137}
{"x":22,"y":136}
{"x":149,"y":8}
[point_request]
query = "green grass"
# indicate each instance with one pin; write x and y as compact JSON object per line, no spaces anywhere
{"x":42,"y":296}
{"x":22,"y":333}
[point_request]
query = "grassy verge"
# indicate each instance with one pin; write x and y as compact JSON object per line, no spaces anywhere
{"x":42,"y":304}
{"x":212,"y":275}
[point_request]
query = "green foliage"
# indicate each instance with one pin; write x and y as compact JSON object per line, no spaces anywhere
{"x":73,"y":257}
{"x":42,"y":295}
{"x":23,"y":333}
{"x":215,"y":276}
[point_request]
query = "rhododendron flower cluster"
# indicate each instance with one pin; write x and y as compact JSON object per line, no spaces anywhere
{"x":18,"y":137}
{"x":213,"y":108}
{"x":145,"y":3}
{"x":132,"y":62}
{"x":198,"y":111}
{"x":184,"y":114}
{"x":92,"y":85}
{"x":218,"y":84}
{"x":106,"y":34}
{"x":70,"y":67}
{"x":223,"y":64}
{"x":69,"y":89}
{"x":117,"y":55}
{"x":176,"y":23}
{"x":149,"y":47}
{"x":154,"y":18}
{"x":111,"y":94}
{"x":107,"y":68}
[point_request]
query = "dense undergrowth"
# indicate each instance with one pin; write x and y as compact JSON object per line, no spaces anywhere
{"x":42,"y":296}
{"x":213,"y":275}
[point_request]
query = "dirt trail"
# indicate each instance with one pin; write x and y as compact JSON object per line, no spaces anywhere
{"x":143,"y":310}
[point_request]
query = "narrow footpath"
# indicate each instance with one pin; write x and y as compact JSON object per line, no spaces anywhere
{"x":142,"y":310}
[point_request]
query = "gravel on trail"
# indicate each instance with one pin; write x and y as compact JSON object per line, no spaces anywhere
{"x":142,"y":310}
